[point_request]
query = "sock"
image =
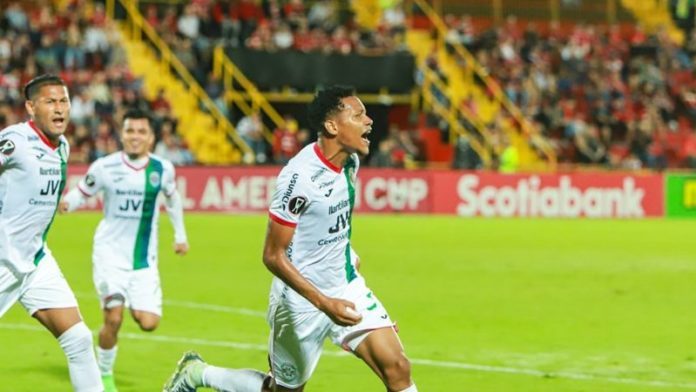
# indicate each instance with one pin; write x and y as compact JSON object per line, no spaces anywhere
{"x":105,"y":360}
{"x":412,"y":388}
{"x":76,"y":342}
{"x":233,"y":380}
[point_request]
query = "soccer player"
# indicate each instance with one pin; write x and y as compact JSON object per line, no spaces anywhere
{"x":124,"y":256}
{"x":317,"y":291}
{"x":33,"y":164}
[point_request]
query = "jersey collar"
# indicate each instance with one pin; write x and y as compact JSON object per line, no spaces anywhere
{"x":130,"y":164}
{"x":325,"y":161}
{"x":42,"y":136}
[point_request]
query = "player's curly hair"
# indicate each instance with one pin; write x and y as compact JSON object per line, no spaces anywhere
{"x":326,"y":103}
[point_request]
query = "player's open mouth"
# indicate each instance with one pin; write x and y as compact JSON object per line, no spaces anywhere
{"x":59,"y":121}
{"x":365,"y":136}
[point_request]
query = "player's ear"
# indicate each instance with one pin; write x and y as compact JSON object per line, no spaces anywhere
{"x":29,"y":105}
{"x":331,"y":127}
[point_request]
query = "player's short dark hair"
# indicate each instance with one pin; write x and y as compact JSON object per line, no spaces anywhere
{"x":33,"y":86}
{"x":327,"y":102}
{"x":137,"y":113}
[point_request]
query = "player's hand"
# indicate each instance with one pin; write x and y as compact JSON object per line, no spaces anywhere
{"x":181,"y":248}
{"x":341,"y":312}
{"x":63,"y":207}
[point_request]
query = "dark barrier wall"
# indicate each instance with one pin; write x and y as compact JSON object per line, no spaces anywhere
{"x":306,"y":71}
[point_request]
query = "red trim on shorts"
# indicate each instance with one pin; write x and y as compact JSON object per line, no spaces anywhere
{"x":324,"y":160}
{"x":281,"y":221}
{"x":42,"y":136}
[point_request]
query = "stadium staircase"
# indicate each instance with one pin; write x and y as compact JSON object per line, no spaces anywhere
{"x":461,"y":84}
{"x":206,"y":130}
{"x":654,"y":15}
{"x":242,"y":94}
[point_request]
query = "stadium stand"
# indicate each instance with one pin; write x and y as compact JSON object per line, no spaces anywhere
{"x":613,"y":95}
{"x":84,"y":48}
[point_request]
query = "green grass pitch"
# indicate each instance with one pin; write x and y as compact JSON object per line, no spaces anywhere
{"x":482,"y":305}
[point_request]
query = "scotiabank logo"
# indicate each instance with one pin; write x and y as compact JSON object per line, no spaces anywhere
{"x":529,"y":198}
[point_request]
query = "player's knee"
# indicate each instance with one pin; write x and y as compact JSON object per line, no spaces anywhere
{"x":149,"y":326}
{"x":76,"y":341}
{"x":113,"y":322}
{"x":398,"y":374}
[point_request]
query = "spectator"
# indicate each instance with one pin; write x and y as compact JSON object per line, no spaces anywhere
{"x":169,"y":147}
{"x":250,"y":129}
{"x":285,"y":142}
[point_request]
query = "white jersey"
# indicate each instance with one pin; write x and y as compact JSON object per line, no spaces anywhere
{"x":32,"y":178}
{"x":126,"y":237}
{"x":316,"y":198}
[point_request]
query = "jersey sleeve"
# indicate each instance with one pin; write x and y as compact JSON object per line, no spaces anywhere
{"x":290,"y":199}
{"x":168,"y":179}
{"x":93,"y":181}
{"x":10,"y":143}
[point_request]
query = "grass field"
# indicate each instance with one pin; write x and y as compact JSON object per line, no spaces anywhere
{"x":483,"y":305}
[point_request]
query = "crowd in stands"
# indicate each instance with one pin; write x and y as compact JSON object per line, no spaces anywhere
{"x":274,"y":25}
{"x":81,"y":46}
{"x":607,"y":96}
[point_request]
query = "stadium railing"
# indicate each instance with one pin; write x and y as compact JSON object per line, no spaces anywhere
{"x":527,"y":137}
{"x":136,"y":28}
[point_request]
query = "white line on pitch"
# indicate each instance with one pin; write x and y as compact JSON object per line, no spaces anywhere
{"x":416,"y":361}
{"x":195,"y":305}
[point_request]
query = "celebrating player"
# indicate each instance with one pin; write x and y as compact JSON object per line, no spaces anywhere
{"x":33,"y":165}
{"x":124,"y":257}
{"x":317,"y":291}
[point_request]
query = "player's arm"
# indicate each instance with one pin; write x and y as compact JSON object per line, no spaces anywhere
{"x":278,"y":237}
{"x":9,"y":143}
{"x":88,"y":186}
{"x":175,"y":210}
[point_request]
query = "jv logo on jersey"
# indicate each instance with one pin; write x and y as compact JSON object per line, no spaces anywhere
{"x":131,"y":204}
{"x":297,"y":204}
{"x":7,"y":147}
{"x":154,"y":179}
{"x":51,"y":188}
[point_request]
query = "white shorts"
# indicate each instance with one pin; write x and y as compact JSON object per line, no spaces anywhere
{"x":297,"y":338}
{"x":136,"y":289}
{"x":43,"y":288}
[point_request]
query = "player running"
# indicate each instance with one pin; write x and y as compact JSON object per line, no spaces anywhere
{"x":317,"y":291}
{"x":124,"y":257}
{"x":33,"y":165}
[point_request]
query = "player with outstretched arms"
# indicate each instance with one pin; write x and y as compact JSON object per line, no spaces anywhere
{"x":33,"y":166}
{"x":317,"y":291}
{"x":124,"y":256}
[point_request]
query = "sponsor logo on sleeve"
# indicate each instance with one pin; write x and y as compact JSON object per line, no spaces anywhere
{"x":297,"y":205}
{"x":90,"y":180}
{"x":291,"y":187}
{"x":7,"y":147}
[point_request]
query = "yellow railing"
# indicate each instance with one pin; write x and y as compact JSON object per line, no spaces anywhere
{"x":248,"y":99}
{"x":654,"y":15}
{"x":136,"y":28}
{"x":526,"y":127}
{"x":448,"y":112}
